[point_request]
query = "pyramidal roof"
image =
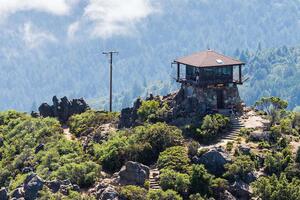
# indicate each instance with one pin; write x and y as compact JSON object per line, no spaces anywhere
{"x":208,"y":58}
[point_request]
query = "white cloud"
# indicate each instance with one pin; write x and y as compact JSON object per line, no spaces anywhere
{"x":105,"y":18}
{"x":56,"y":7}
{"x":34,"y":37}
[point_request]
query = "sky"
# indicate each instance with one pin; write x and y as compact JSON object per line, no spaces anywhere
{"x":95,"y":19}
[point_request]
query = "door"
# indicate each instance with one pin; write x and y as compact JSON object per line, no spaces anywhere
{"x":220,"y":99}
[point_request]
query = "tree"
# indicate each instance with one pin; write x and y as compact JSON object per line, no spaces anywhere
{"x":272,"y":106}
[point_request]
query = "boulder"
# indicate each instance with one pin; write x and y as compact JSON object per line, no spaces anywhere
{"x":104,"y":191}
{"x":244,"y":149}
{"x":250,"y":177}
{"x":39,"y":148}
{"x":259,"y":135}
{"x":240,"y":190}
{"x":3,"y":194}
{"x":1,"y":142}
{"x":134,"y":173}
{"x":226,"y":195}
{"x":53,"y":185}
{"x":32,"y":185}
{"x":18,"y":193}
{"x":109,"y":193}
{"x":214,"y":160}
{"x":26,"y":170}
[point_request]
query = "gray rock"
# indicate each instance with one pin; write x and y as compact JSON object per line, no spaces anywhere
{"x":32,"y":185}
{"x":17,"y":193}
{"x":1,"y":142}
{"x":227,"y":196}
{"x":134,"y":173}
{"x":63,"y":109}
{"x":240,"y":190}
{"x":53,"y":185}
{"x":250,"y":177}
{"x":109,"y":193}
{"x":26,"y":170}
{"x":259,"y":136}
{"x":3,"y":194}
{"x":39,"y":148}
{"x":244,"y":149}
{"x":214,"y":161}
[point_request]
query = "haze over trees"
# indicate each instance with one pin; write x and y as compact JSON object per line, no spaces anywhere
{"x":33,"y":74}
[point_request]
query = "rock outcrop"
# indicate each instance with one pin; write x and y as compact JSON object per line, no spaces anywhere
{"x":32,"y":185}
{"x":63,"y":109}
{"x":104,"y":191}
{"x":3,"y":194}
{"x":213,"y":160}
{"x":134,"y":173}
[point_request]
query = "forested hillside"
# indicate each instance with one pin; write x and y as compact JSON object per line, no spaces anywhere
{"x":273,"y":72}
{"x":34,"y":69}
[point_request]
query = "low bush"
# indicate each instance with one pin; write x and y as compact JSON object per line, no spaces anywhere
{"x":212,"y":126}
{"x":170,"y":179}
{"x":240,"y":167}
{"x":163,"y":195}
{"x":130,"y":192}
{"x":90,"y":119}
{"x":175,"y":158}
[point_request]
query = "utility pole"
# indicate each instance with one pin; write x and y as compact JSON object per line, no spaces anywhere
{"x":110,"y":54}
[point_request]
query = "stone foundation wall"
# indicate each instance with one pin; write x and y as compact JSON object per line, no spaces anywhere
{"x":207,"y":97}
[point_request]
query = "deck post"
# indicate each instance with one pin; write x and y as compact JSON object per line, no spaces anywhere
{"x":240,"y":73}
{"x":178,"y":72}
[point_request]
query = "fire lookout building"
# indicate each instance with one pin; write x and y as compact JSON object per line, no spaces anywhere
{"x":211,"y":78}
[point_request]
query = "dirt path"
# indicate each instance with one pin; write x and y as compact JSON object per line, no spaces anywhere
{"x":69,"y":136}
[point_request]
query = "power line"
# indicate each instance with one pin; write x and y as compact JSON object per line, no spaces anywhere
{"x":110,"y":53}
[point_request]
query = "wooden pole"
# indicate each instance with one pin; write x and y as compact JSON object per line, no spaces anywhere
{"x":110,"y":53}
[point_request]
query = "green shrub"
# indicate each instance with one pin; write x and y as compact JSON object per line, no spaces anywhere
{"x":212,"y":126}
{"x":240,"y":167}
{"x":131,"y":192}
{"x":196,"y":197}
{"x":83,"y":174}
{"x":229,"y":146}
{"x":90,"y":119}
{"x":298,"y":155}
{"x":170,"y":179}
{"x":159,"y":136}
{"x":273,"y":188}
{"x":175,"y":158}
{"x":163,"y":195}
{"x":276,"y":163}
{"x":200,"y":180}
{"x":113,"y":153}
{"x":193,"y":148}
{"x":148,"y":111}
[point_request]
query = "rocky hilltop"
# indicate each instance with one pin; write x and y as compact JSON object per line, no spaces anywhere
{"x":161,"y":148}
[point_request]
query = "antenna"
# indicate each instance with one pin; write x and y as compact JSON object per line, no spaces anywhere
{"x":110,"y":53}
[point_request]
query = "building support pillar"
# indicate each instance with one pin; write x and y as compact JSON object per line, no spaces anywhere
{"x":240,"y":74}
{"x":178,"y":72}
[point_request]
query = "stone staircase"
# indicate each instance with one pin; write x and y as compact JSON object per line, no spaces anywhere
{"x":233,"y":133}
{"x":154,"y":179}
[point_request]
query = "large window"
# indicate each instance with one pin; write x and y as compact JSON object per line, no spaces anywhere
{"x":211,"y":75}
